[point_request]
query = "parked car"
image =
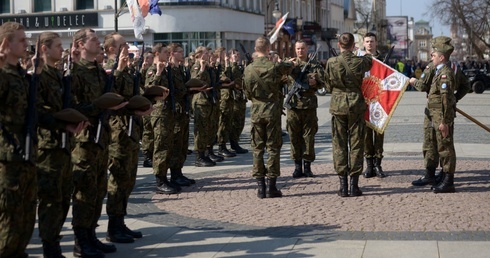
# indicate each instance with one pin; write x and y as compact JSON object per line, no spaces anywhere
{"x":479,"y":80}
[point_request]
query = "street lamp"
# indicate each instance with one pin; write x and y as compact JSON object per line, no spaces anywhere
{"x":299,"y":25}
{"x":276,"y":13}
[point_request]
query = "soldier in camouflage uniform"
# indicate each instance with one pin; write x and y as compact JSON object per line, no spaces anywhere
{"x":437,"y":147}
{"x":233,"y":77}
{"x":18,"y":180}
{"x":373,"y":141}
{"x":263,"y":86}
{"x":215,"y":70}
{"x":302,"y":121}
{"x":147,"y":132}
{"x":54,"y":167}
{"x":205,"y":106}
{"x":239,"y":109}
{"x":344,"y":75}
{"x":91,"y":152}
{"x":124,"y":148}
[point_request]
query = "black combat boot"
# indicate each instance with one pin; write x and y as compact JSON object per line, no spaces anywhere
{"x":52,"y":250}
{"x":105,"y":248}
{"x":354,"y":186}
{"x":239,"y":150}
{"x":272,"y":191}
{"x":344,"y":187}
{"x":83,"y":245}
{"x":177,"y":178}
{"x":116,"y":232}
{"x":212,"y":156}
{"x":307,"y":170}
{"x":203,"y":161}
{"x":439,"y":177}
{"x":368,"y":173}
{"x":427,"y":179}
{"x":148,"y":162}
{"x":261,"y":190}
{"x":164,"y":186}
{"x":133,"y":233}
{"x":223,"y":151}
{"x":377,"y":168}
{"x":298,"y":169}
{"x":447,"y":184}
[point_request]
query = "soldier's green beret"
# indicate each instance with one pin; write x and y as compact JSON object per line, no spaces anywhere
{"x":192,"y":83}
{"x":138,"y":103}
{"x":446,"y":49}
{"x":155,"y":90}
{"x":70,"y":115}
{"x":108,"y":100}
{"x":440,"y":40}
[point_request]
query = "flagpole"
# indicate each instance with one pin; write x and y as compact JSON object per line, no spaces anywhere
{"x":115,"y":16}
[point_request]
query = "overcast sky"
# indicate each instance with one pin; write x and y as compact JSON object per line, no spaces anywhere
{"x":415,"y":9}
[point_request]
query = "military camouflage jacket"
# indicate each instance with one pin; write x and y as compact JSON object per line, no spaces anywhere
{"x":202,"y":98}
{"x":308,"y":99}
{"x":441,"y":94}
{"x":346,"y":91}
{"x":262,"y":83}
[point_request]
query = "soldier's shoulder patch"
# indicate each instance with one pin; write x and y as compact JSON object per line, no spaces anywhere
{"x":443,"y":76}
{"x":422,"y":76}
{"x":444,"y":86}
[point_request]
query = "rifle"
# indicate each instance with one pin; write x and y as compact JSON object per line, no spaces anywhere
{"x":65,"y":139}
{"x":136,"y":90}
{"x":211,"y":98}
{"x":388,"y":56}
{"x":171,"y":88}
{"x":108,"y":88}
{"x":332,"y":50}
{"x":298,"y":84}
{"x":31,"y":119}
{"x":247,"y":55}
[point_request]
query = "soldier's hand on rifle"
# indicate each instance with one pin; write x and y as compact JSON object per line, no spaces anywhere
{"x":119,"y":106}
{"x":76,"y":128}
{"x":164,"y":95}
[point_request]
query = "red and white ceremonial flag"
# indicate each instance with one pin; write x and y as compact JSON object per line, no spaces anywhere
{"x":137,"y":18}
{"x":278,"y":27}
{"x":382,"y":88}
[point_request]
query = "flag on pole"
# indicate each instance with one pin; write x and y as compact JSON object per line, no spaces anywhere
{"x":137,"y":18}
{"x":382,"y":88}
{"x":155,"y":8}
{"x":289,"y":27}
{"x":145,"y":7}
{"x":278,"y":27}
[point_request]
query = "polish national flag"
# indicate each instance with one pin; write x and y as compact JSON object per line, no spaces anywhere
{"x":278,"y":27}
{"x":382,"y":88}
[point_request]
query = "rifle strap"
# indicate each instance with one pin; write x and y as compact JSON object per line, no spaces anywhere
{"x":257,"y":77}
{"x":349,"y":71}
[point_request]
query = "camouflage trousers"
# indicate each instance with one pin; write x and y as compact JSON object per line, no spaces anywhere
{"x":147,"y":137}
{"x":205,"y":126}
{"x":55,"y":187}
{"x":90,"y":164}
{"x":302,"y":125}
{"x":123,"y":165}
{"x":437,"y":149}
{"x":348,"y":143}
{"x":373,"y":144}
{"x":163,"y":129}
{"x":238,"y":119}
{"x":18,"y":190}
{"x":181,"y":141}
{"x":266,"y":134}
{"x":225,"y":118}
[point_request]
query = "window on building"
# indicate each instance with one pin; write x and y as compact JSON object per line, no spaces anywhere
{"x":42,"y":6}
{"x":4,"y":6}
{"x":85,"y":4}
{"x":422,"y":43}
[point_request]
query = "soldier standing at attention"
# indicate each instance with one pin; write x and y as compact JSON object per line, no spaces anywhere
{"x":54,"y":167}
{"x":90,"y":157}
{"x":239,"y":106}
{"x":373,"y":141}
{"x":344,"y":75}
{"x":123,"y":150}
{"x":263,"y":86}
{"x":18,"y":180}
{"x":302,"y":120}
{"x":440,"y":114}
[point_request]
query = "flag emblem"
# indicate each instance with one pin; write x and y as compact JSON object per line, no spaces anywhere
{"x":382,"y":88}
